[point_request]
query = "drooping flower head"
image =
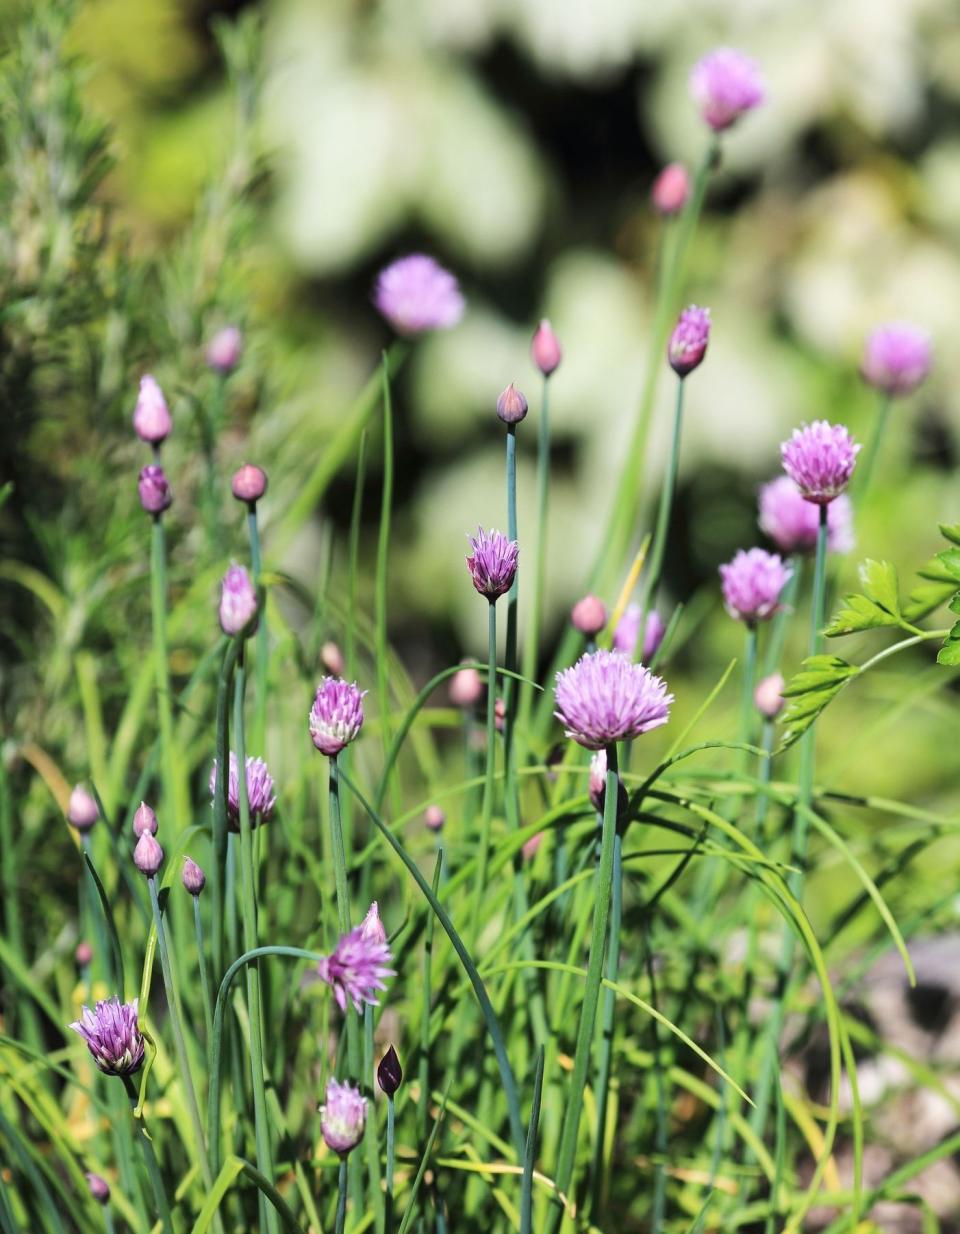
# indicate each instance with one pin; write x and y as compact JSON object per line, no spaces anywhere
{"x":688,"y":342}
{"x":897,"y":358}
{"x":193,"y":877}
{"x":511,"y":405}
{"x":356,"y":969}
{"x":336,"y":716}
{"x":238,"y":601}
{"x":820,"y":458}
{"x":628,"y":632}
{"x":725,"y":83}
{"x":153,"y":489}
{"x":493,"y":563}
{"x":148,"y":854}
{"x":389,"y":1072}
{"x":112,"y":1035}
{"x":416,"y":294}
{"x":224,"y":350}
{"x":605,"y":697}
{"x":671,"y":190}
{"x":589,"y":616}
{"x":82,"y":809}
{"x":151,"y":416}
{"x":545,"y":348}
{"x":752,"y":583}
{"x":343,"y":1117}
{"x":249,"y":483}
{"x":260,"y":795}
{"x":768,"y":696}
{"x":791,"y":521}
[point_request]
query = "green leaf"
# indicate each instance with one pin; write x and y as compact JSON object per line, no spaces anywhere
{"x":816,"y":685}
{"x":878,"y":606}
{"x":949,"y":653}
{"x":882,"y":585}
{"x":950,"y":531}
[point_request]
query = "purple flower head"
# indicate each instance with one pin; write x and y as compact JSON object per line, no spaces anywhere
{"x":897,"y":358}
{"x":82,"y":809}
{"x":688,"y":342}
{"x":628,"y":632}
{"x":144,"y":820}
{"x":336,"y":716}
{"x":99,"y":1187}
{"x":416,"y":294}
{"x":768,"y":696}
{"x":589,"y":616}
{"x":434,"y":818}
{"x":724,"y":85}
{"x":791,"y":521}
{"x":820,"y":459}
{"x":545,"y":348}
{"x":193,"y":877}
{"x":511,"y":405}
{"x":224,"y":350}
{"x":151,"y":416}
{"x":493,"y":563}
{"x":389,"y":1072}
{"x":343,"y":1117}
{"x":671,"y":189}
{"x":249,"y":483}
{"x":466,"y":688}
{"x":605,"y":697}
{"x":260,"y":795}
{"x":238,"y":602}
{"x":356,"y":968}
{"x":752,"y":583}
{"x":112,"y":1035}
{"x":154,"y":491}
{"x":372,"y":927}
{"x":148,"y":855}
{"x":598,"y":784}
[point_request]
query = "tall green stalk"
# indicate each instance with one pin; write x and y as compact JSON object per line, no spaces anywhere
{"x":391,"y":1134}
{"x":486,"y":821}
{"x":175,"y":799}
{"x":531,"y":643}
{"x":150,"y":1160}
{"x":867,"y":464}
{"x":341,"y":1196}
{"x":380,"y":580}
{"x":608,"y":1026}
{"x":204,"y":975}
{"x":262,"y":652}
{"x":658,"y":547}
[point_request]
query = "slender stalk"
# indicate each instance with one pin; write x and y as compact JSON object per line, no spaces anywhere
{"x":223,"y":900}
{"x":488,"y":785}
{"x":158,"y":601}
{"x":781,"y":618}
{"x":383,"y":548}
{"x":423,"y":1070}
{"x":658,"y":547}
{"x":591,"y":990}
{"x":353,"y":555}
{"x":608,"y":1024}
{"x":531,"y":642}
{"x":259,"y":727}
{"x":341,"y":1196}
{"x":248,"y":906}
{"x":204,"y":975}
{"x":868,"y":463}
{"x":150,"y":1160}
{"x":748,"y":711}
{"x":391,"y":1130}
{"x":370,"y":1131}
{"x":108,"y":1225}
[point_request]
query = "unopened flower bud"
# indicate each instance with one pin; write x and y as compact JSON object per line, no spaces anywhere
{"x":389,"y":1072}
{"x":238,"y":601}
{"x":671,"y":189}
{"x":545,"y":348}
{"x":193,"y":877}
{"x":155,"y":495}
{"x":511,"y":405}
{"x":589,"y":616}
{"x":331,"y":657}
{"x":343,"y":1117}
{"x":466,"y":687}
{"x":144,"y":820}
{"x":224,"y":350}
{"x":151,"y":416}
{"x":499,"y":714}
{"x":249,"y":483}
{"x":99,"y":1187}
{"x":82,"y":809}
{"x":434,"y":817}
{"x":532,"y":845}
{"x":598,"y":785}
{"x":148,"y":855}
{"x":372,"y":928}
{"x":688,"y":342}
{"x":83,"y":955}
{"x":768,"y":696}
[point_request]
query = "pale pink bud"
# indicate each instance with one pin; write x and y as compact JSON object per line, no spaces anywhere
{"x":589,"y":616}
{"x":511,"y":405}
{"x":331,"y":657}
{"x":434,"y":817}
{"x":151,"y":416}
{"x":768,"y":696}
{"x":466,"y":688}
{"x":148,"y":855}
{"x":144,"y":820}
{"x":224,"y":350}
{"x":249,"y":483}
{"x":671,"y":189}
{"x":545,"y":349}
{"x":372,"y":927}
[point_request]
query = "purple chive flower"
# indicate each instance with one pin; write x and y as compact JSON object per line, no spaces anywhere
{"x":791,"y":521}
{"x":820,"y":459}
{"x":224,"y":350}
{"x":589,"y":616}
{"x":416,"y":294}
{"x":389,"y":1072}
{"x":671,"y":190}
{"x":144,"y":820}
{"x":112,"y":1035}
{"x":897,"y":358}
{"x":493,"y":563}
{"x":372,"y":927}
{"x":151,"y":416}
{"x":99,"y":1187}
{"x":605,"y":697}
{"x":249,"y":483}
{"x":434,"y":818}
{"x":336,"y":716}
{"x":752,"y":583}
{"x":193,"y":877}
{"x":148,"y":855}
{"x":466,"y":687}
{"x":768,"y":696}
{"x":511,"y":405}
{"x":545,"y":348}
{"x":688,"y":342}
{"x":82,"y":809}
{"x":343,"y":1117}
{"x":260,"y":795}
{"x":355,"y":969}
{"x":154,"y":491}
{"x":238,"y":602}
{"x":628,"y":632}
{"x":724,"y":85}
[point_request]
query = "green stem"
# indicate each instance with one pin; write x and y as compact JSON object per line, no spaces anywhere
{"x":488,"y":784}
{"x":353,"y":555}
{"x":370,"y":1131}
{"x":423,"y":1070}
{"x":218,"y":874}
{"x":150,"y":1160}
{"x":391,"y":1130}
{"x":591,"y":991}
{"x":383,"y":548}
{"x":248,"y":904}
{"x":531,"y":642}
{"x":259,"y":729}
{"x":341,"y":1196}
{"x":658,"y":547}
{"x":204,"y":975}
{"x":867,"y":465}
{"x":158,"y":600}
{"x":781,"y":618}
{"x":608,"y":1025}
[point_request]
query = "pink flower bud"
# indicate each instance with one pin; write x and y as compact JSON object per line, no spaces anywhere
{"x":331,"y":657}
{"x":99,"y":1187}
{"x":545,"y":349}
{"x":249,"y":483}
{"x":193,"y":877}
{"x":144,"y":820}
{"x":466,"y":688}
{"x":499,"y":714}
{"x":372,"y":928}
{"x":434,"y":817}
{"x":671,"y":189}
{"x":224,"y":350}
{"x":238,"y":601}
{"x":530,"y":848}
{"x":82,"y":809}
{"x":154,"y":491}
{"x":151,"y":416}
{"x":511,"y":405}
{"x":83,"y":955}
{"x":589,"y":616}
{"x":688,"y":342}
{"x":148,"y":855}
{"x":768,"y":696}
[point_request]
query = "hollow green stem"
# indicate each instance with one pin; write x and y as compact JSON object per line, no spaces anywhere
{"x":531,"y":642}
{"x":218,"y":873}
{"x":341,"y":1197}
{"x":658,"y":547}
{"x":370,"y":1131}
{"x":259,"y":728}
{"x":608,"y":1025}
{"x":867,"y":464}
{"x":423,"y":1070}
{"x":488,"y":784}
{"x":158,"y":600}
{"x":150,"y":1160}
{"x":204,"y":975}
{"x":391,"y":1130}
{"x":383,"y":548}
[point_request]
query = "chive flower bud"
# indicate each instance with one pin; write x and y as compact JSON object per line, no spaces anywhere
{"x":434,"y":817}
{"x":260,"y":795}
{"x":238,"y":602}
{"x":589,"y":616}
{"x":768,"y":696}
{"x":151,"y":416}
{"x":343,"y":1117}
{"x":493,"y":563}
{"x":819,"y":458}
{"x":671,"y":190}
{"x":897,"y":358}
{"x":389,"y":1072}
{"x":466,"y":688}
{"x":511,"y":405}
{"x":545,"y":348}
{"x":193,"y":877}
{"x":224,"y":350}
{"x":99,"y":1187}
{"x":154,"y":491}
{"x":336,"y":716}
{"x":372,"y":927}
{"x":148,"y":855}
{"x":331,"y":657}
{"x":144,"y":820}
{"x":688,"y":342}
{"x":82,"y":809}
{"x":83,"y":956}
{"x":249,"y":483}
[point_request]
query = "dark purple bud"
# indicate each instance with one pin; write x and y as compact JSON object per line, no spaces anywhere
{"x":155,"y":495}
{"x":389,"y":1072}
{"x":148,"y":855}
{"x":99,"y":1187}
{"x":249,"y":483}
{"x":511,"y":405}
{"x":144,"y":820}
{"x":194,"y":878}
{"x":589,"y":616}
{"x":83,"y":955}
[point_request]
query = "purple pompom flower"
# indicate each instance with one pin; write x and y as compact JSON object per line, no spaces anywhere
{"x":605,"y":697}
{"x":545,"y":348}
{"x":336,"y":716}
{"x":151,"y":416}
{"x":82,"y":809}
{"x":688,"y":342}
{"x":238,"y":602}
{"x":725,"y":83}
{"x":153,"y":489}
{"x":416,"y":294}
{"x":356,"y":968}
{"x":628,"y":632}
{"x":791,"y":521}
{"x":752,"y":583}
{"x":224,"y":350}
{"x":820,"y":459}
{"x":493,"y":563}
{"x":260,"y":795}
{"x":343,"y":1117}
{"x":897,"y":358}
{"x":112,"y":1035}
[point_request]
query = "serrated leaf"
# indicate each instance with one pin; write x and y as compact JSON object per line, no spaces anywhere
{"x":817,"y":684}
{"x":881,"y":585}
{"x":939,"y":586}
{"x":949,"y":653}
{"x":951,"y":532}
{"x":949,"y":559}
{"x":858,"y":613}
